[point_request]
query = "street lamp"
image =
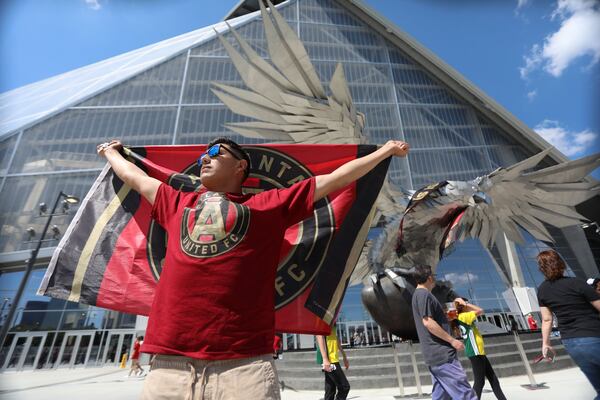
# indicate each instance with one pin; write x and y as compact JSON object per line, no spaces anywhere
{"x":68,"y":199}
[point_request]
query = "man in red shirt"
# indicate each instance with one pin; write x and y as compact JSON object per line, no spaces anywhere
{"x":223,"y":249}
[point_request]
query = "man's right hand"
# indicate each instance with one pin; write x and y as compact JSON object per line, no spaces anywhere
{"x":457,"y":344}
{"x":113,"y":144}
{"x":326,"y":366}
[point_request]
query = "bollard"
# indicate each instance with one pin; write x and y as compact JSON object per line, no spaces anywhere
{"x":123,"y":361}
{"x":532,"y":385}
{"x":413,"y":359}
{"x":398,"y":370}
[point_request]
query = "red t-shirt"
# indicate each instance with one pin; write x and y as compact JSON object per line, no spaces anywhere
{"x":215,"y":297}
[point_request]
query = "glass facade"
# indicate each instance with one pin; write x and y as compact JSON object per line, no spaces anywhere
{"x":171,"y":103}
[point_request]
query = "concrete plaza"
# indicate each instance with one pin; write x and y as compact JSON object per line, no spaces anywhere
{"x":111,"y":383}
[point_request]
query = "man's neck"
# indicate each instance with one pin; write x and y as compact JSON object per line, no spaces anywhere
{"x":234,"y":189}
{"x":419,"y":286}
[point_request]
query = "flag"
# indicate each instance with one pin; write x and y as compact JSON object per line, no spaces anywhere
{"x":111,"y":255}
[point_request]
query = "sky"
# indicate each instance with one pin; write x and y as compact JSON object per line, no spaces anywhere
{"x":538,"y":59}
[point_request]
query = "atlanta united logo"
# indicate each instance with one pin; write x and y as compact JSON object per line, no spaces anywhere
{"x":216,"y":225}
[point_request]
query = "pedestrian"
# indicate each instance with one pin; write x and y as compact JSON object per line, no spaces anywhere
{"x":277,"y":346}
{"x":437,"y":345}
{"x":212,"y":320}
{"x":336,"y":384}
{"x":576,"y":306}
{"x":136,"y":368}
{"x":465,"y":324}
{"x":531,"y":322}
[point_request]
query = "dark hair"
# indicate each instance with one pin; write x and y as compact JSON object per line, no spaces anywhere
{"x":551,"y":265}
{"x":421,"y":273}
{"x":236,"y":148}
{"x":140,"y":337}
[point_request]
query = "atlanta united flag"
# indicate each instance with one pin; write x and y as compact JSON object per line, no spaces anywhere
{"x":112,"y":253}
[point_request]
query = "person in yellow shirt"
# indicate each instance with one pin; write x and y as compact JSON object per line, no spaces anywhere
{"x":327,"y":356}
{"x":465,"y":325}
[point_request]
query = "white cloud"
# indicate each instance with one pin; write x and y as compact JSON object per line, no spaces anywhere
{"x":532,"y":95}
{"x":93,"y":4}
{"x":569,"y":142}
{"x":461,"y":279}
{"x":521,"y":4}
{"x":577,"y":37}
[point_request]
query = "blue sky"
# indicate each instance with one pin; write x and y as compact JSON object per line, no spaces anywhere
{"x":539,"y":59}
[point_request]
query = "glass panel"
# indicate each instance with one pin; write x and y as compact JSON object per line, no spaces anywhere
{"x":342,"y":44}
{"x":202,"y":124}
{"x":112,"y":355}
{"x":20,"y":198}
{"x":74,"y":320}
{"x":326,"y":12}
{"x":202,"y":72}
{"x":69,"y":348}
{"x":68,"y":140}
{"x":54,"y":349}
{"x":5,"y":348}
{"x":99,"y":340}
{"x":36,"y":343}
{"x":48,"y":344}
{"x":127,"y":345}
{"x":84,"y":345}
{"x":125,"y":321}
{"x":17,"y":351}
{"x":158,"y":85}
{"x":451,"y":164}
{"x":252,"y":32}
{"x":6,"y":150}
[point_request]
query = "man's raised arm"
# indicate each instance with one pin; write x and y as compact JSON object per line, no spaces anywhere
{"x":356,"y":169}
{"x":129,"y":173}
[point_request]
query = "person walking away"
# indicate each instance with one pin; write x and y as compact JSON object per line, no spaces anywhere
{"x":328,"y":357}
{"x":576,"y":306}
{"x":437,"y":345}
{"x":533,"y":326}
{"x":465,"y":323}
{"x":277,"y":346}
{"x":136,"y":368}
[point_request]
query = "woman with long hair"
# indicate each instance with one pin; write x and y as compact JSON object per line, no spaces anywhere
{"x":576,"y":306}
{"x":464,"y":325}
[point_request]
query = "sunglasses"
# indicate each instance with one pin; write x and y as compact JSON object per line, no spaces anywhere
{"x":215,"y":151}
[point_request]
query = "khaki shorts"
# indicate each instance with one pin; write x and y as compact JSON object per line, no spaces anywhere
{"x":184,"y":378}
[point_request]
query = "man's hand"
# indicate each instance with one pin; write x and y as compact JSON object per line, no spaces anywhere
{"x":326,"y":366}
{"x":113,"y":144}
{"x":460,"y":301}
{"x":346,"y":363}
{"x":397,"y":148}
{"x":458,"y":345}
{"x":548,"y":352}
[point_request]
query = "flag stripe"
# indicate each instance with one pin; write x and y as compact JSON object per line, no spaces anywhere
{"x":340,"y":290}
{"x":90,"y":244}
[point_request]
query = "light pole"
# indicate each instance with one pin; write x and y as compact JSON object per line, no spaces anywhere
{"x":68,"y":199}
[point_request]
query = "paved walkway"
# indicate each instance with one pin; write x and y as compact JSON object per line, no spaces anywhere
{"x":110,"y":383}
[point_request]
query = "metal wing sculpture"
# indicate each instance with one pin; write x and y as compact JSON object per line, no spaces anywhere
{"x":287,"y":99}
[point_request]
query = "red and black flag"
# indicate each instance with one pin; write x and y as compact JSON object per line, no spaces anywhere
{"x":111,"y":255}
